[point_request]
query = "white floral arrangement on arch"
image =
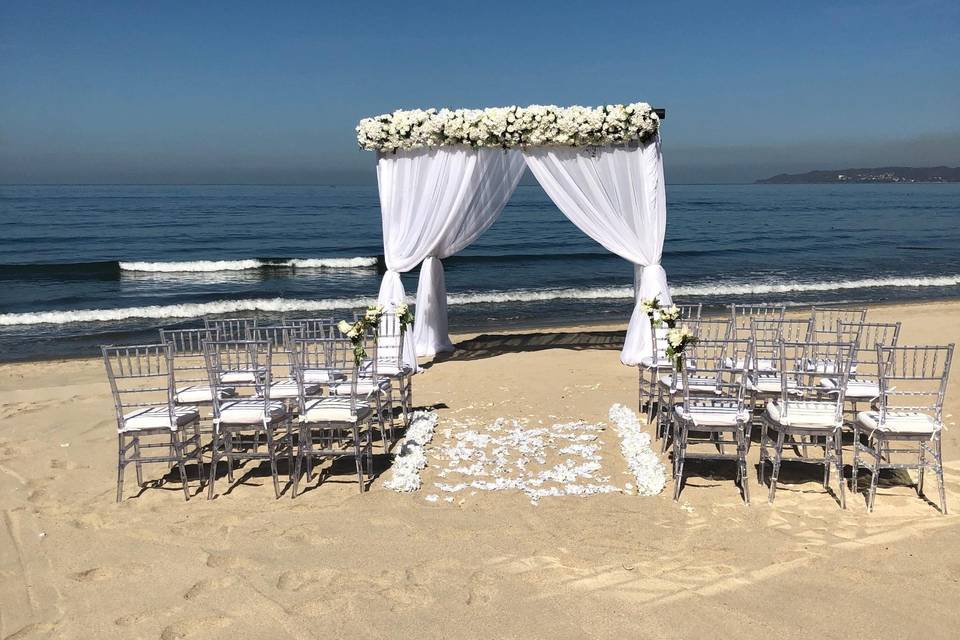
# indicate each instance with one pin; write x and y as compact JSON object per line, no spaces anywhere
{"x":505,"y":127}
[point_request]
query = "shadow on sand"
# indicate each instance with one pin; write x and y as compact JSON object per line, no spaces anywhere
{"x":490,"y":345}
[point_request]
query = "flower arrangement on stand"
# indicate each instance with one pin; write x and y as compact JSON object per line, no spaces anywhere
{"x":404,"y":316}
{"x":357,"y":330}
{"x":678,"y":339}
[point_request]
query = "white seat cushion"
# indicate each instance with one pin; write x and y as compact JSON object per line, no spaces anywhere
{"x":700,"y":384}
{"x":856,"y":389}
{"x":660,"y":363}
{"x":365,"y":387}
{"x":334,"y":410}
{"x":199,"y":393}
{"x":158,"y":418}
{"x":386,"y":368}
{"x":908,"y":423}
{"x":322,"y":376}
{"x":713,"y":415}
{"x":250,"y":411}
{"x":763,"y":364}
{"x":804,"y":413}
{"x":287,"y":388}
{"x":242,"y":376}
{"x":768,"y":384}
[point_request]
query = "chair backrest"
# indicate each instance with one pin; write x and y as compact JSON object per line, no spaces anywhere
{"x":390,"y":339}
{"x":826,"y":320}
{"x":866,"y":336}
{"x":769,"y":334}
{"x":804,"y":363}
{"x":281,"y":339}
{"x":332,"y":355}
{"x":690,"y":311}
{"x":914,"y":378}
{"x":232,"y":328}
{"x":186,"y":348}
{"x":743,"y":314}
{"x":708,"y":365}
{"x":238,"y":363}
{"x":314,"y":327}
{"x":139,"y":376}
{"x":712,"y":328}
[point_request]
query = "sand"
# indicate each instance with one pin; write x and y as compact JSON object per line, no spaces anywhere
{"x":335,"y":563}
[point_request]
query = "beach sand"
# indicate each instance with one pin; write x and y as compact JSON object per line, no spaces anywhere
{"x":337,"y":563}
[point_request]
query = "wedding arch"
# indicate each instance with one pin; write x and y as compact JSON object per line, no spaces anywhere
{"x":445,"y":176}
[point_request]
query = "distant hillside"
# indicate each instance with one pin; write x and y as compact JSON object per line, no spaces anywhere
{"x":879,"y":174}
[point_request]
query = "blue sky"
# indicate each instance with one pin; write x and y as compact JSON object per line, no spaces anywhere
{"x":270,"y":92}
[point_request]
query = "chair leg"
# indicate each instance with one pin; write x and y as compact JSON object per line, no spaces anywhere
{"x":940,"y":486}
{"x":777,"y":459}
{"x":301,"y":452}
{"x":177,"y":446}
{"x":742,"y":464}
{"x":272,"y":453}
{"x":838,"y":460}
{"x":215,"y":445}
{"x":121,"y":463}
{"x":679,"y":452}
{"x":921,"y":464}
{"x":762,"y":468}
{"x":855,"y":465}
{"x":228,"y":454}
{"x":358,"y":455}
{"x":136,"y":455}
{"x":874,"y":473}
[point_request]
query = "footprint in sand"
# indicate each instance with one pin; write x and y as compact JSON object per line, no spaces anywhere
{"x":96,"y":574}
{"x":195,"y":628}
{"x":209,"y":585}
{"x":303,"y":579}
{"x":228,"y":561}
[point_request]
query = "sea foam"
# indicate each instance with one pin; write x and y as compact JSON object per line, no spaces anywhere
{"x":244,"y":265}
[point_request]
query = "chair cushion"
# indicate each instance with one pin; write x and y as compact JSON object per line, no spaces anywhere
{"x":287,"y":388}
{"x":242,"y":376}
{"x":714,"y":415}
{"x":856,"y":389}
{"x":198,"y":393}
{"x":365,"y":387}
{"x":158,"y":418}
{"x":250,"y":411}
{"x":804,"y":413}
{"x":908,"y":423}
{"x":700,"y":384}
{"x":386,"y":368}
{"x":763,"y":364}
{"x":768,"y":384}
{"x":322,"y":376}
{"x":334,"y":410}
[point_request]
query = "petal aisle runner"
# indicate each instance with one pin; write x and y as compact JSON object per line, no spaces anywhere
{"x":541,"y":461}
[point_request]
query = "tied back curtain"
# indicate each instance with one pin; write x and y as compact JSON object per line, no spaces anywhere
{"x":616,"y":196}
{"x":435,"y":202}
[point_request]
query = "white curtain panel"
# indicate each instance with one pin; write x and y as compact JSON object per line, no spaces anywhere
{"x":435,"y":202}
{"x":616,"y":196}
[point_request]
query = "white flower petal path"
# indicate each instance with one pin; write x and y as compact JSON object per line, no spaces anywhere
{"x":411,"y":457}
{"x":635,"y":445}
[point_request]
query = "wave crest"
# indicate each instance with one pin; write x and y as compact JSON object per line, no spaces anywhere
{"x":244,"y":265}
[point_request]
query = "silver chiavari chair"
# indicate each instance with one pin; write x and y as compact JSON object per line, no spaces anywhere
{"x":374,"y":387}
{"x":908,"y":419}
{"x":800,"y":418}
{"x":864,"y":382}
{"x":147,"y":416}
{"x":650,"y":369}
{"x":390,"y":341}
{"x":231,"y":328}
{"x":283,"y":383}
{"x":764,"y":381}
{"x":335,"y":425}
{"x":714,"y":328}
{"x":825,"y":320}
{"x":191,"y":383}
{"x":714,"y":410}
{"x":743,"y":314}
{"x":245,"y":362}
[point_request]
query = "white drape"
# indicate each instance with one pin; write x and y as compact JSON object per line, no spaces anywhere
{"x":435,"y":202}
{"x":616,"y":196}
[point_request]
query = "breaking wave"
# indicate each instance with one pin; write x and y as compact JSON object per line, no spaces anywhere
{"x":285,"y":305}
{"x":244,"y":265}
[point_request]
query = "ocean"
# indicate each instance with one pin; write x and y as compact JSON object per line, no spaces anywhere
{"x":82,"y":266}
